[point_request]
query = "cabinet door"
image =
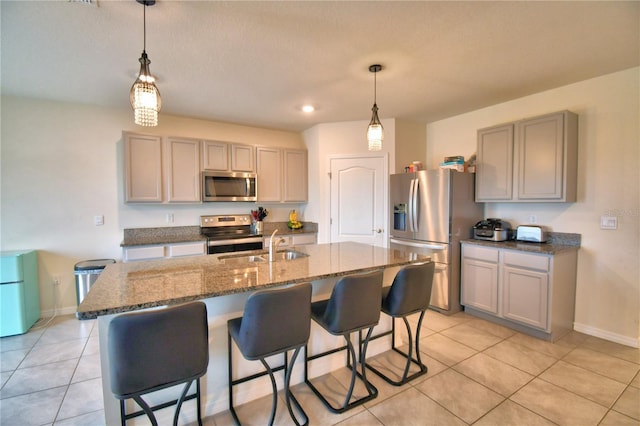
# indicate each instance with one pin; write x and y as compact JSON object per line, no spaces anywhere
{"x":182,"y":170}
{"x":186,"y":249}
{"x":269,"y":171}
{"x":479,"y":285}
{"x":242,"y":158}
{"x":494,"y":168}
{"x":541,"y":158}
{"x":525,"y":296}
{"x":142,"y":168}
{"x":302,"y":239}
{"x":215,"y":155}
{"x":295,"y":176}
{"x":142,"y":253}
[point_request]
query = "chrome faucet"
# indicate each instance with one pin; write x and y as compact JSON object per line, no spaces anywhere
{"x":273,"y":245}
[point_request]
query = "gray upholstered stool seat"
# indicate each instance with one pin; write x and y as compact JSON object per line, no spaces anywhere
{"x":274,"y":321}
{"x":409,"y":293}
{"x":157,"y":349}
{"x":354,"y":305}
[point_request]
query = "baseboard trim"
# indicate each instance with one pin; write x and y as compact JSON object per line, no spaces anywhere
{"x":69,"y":310}
{"x":607,"y":335}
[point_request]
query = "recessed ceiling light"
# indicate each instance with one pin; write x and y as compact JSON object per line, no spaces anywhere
{"x":308,"y":108}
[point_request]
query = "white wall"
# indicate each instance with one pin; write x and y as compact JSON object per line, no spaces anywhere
{"x":608,"y":287}
{"x":326,"y":140}
{"x":62,"y":165}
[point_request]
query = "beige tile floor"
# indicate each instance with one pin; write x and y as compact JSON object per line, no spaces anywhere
{"x":479,"y":373}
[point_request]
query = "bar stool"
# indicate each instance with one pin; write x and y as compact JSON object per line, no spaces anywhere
{"x":409,"y":293}
{"x":274,"y":322}
{"x":157,"y":349}
{"x":354,"y":305}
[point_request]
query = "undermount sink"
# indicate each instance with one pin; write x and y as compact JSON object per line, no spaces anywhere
{"x":262,"y":257}
{"x":287,"y":255}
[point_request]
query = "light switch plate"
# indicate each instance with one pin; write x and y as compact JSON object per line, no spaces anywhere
{"x":98,"y":220}
{"x":608,"y":222}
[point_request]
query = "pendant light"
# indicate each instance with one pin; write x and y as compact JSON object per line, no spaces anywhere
{"x":375,"y":132}
{"x":144,"y":95}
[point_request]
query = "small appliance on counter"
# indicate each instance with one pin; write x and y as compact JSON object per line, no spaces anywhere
{"x":531,"y":233}
{"x":492,"y":229}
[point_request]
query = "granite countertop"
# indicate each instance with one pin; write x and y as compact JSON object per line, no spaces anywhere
{"x":558,"y":242}
{"x":123,"y":287}
{"x":186,"y":234}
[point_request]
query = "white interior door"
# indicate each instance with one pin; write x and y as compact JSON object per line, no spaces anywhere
{"x":359,"y":187}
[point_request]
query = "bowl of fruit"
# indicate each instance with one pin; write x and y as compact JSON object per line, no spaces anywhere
{"x":293,"y":220}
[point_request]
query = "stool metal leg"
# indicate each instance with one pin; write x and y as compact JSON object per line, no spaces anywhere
{"x":274,"y":387}
{"x":372,"y":391}
{"x":182,"y":399}
{"x":146,"y":409}
{"x":409,"y":356}
{"x":289,"y":397}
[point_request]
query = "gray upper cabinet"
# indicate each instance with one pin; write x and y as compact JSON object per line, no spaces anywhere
{"x":269,"y":171}
{"x":142,"y":168}
{"x":224,"y":156}
{"x":182,"y":170}
{"x":282,"y":175}
{"x":494,"y":174}
{"x":532,"y":160}
{"x":161,"y":170}
{"x":295,"y":176}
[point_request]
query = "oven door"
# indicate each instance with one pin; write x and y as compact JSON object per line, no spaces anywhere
{"x":231,"y":245}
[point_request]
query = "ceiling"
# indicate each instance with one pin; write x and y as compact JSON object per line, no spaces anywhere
{"x":257,"y":63}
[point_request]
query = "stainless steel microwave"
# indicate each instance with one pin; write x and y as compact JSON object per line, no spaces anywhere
{"x":229,"y":186}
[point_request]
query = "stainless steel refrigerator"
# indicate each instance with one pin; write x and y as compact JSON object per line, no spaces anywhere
{"x":432,"y":210}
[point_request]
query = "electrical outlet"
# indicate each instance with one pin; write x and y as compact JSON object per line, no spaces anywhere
{"x":98,"y":220}
{"x":533,"y":219}
{"x":169,"y":217}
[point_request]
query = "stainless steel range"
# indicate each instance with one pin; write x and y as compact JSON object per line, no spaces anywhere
{"x":229,"y":233}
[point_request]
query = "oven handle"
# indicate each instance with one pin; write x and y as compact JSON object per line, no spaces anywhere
{"x":212,"y":243}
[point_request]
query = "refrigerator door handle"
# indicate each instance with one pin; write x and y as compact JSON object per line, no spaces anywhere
{"x":410,"y":210}
{"x":414,"y":212}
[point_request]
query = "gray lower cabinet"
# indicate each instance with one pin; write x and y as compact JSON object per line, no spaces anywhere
{"x":293,"y":240}
{"x":531,"y":160}
{"x":532,"y":293}
{"x":161,"y":251}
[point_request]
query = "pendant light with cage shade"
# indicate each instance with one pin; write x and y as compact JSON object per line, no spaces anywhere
{"x":144,"y":95}
{"x":375,"y":132}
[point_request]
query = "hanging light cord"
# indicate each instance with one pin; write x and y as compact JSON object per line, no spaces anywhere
{"x":375,"y":85}
{"x":144,"y":27}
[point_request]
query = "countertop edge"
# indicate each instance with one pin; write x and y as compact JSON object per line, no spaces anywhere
{"x":93,"y":307}
{"x":191,"y":234}
{"x":539,"y":248}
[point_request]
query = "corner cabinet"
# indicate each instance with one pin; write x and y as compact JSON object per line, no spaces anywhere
{"x":282,"y":175}
{"x":532,"y":160}
{"x":158,"y":170}
{"x":532,"y":293}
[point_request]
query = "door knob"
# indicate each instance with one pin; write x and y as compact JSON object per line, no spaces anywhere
{"x":378,"y":230}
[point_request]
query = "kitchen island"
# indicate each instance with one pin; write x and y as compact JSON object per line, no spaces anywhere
{"x":224,"y":282}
